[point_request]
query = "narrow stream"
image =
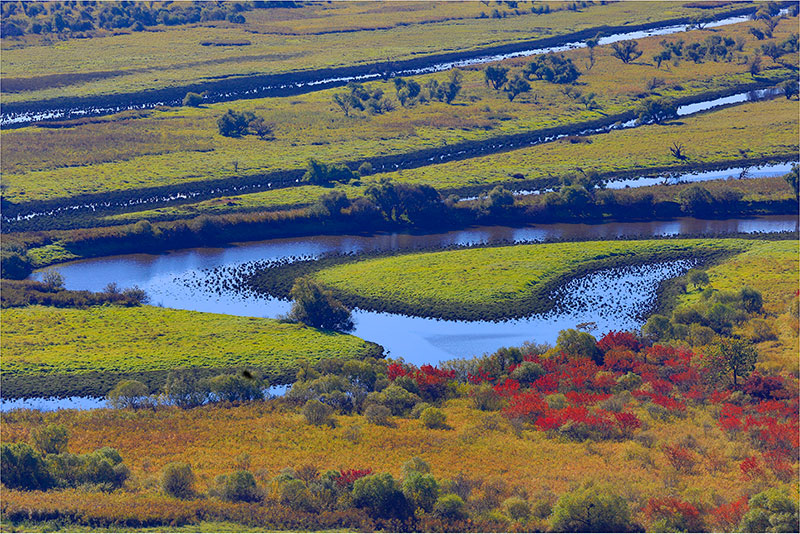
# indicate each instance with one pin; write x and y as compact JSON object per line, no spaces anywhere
{"x":689,"y":109}
{"x":12,"y":119}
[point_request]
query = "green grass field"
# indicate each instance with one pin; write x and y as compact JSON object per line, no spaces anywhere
{"x":770,"y":267}
{"x":765,"y":130}
{"x":42,"y":342}
{"x":485,"y":282}
{"x":285,"y":40}
{"x":158,"y":148}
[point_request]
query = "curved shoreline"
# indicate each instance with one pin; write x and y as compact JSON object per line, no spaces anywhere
{"x":275,"y":279}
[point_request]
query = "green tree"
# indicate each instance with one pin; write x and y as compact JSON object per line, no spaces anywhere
{"x":752,"y":301}
{"x":450,"y":507}
{"x":729,"y":360}
{"x":498,"y":199}
{"x":695,"y":200}
{"x":697,"y":277}
{"x":590,"y":509}
{"x":317,"y":307}
{"x":793,"y":179}
{"x":234,"y":123}
{"x":177,"y":480}
{"x":771,"y":511}
{"x":626,"y":51}
{"x":50,"y":439}
{"x":516,"y":86}
{"x":517,"y":508}
{"x":657,"y":327}
{"x":421,"y":490}
{"x":495,"y":76}
{"x":381,"y":497}
{"x":192,"y":100}
{"x":128,"y":394}
{"x":656,"y":110}
{"x":576,"y":343}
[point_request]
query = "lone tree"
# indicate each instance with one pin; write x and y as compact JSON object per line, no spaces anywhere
{"x":317,"y":307}
{"x":495,"y":76}
{"x":626,"y":51}
{"x":698,"y":278}
{"x":656,"y":110}
{"x":731,"y":359}
{"x":516,"y":86}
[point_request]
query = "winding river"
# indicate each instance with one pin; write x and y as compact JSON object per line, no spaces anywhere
{"x":606,"y":300}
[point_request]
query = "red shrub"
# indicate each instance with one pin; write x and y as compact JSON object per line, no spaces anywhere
{"x":681,"y":458}
{"x":578,"y":397}
{"x":619,"y":340}
{"x":348,"y":476}
{"x":527,"y":406}
{"x":750,"y":468}
{"x":679,"y":515}
{"x":627,"y":422}
{"x":727,"y":517}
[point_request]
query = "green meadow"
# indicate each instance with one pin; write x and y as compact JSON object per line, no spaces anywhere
{"x":76,"y":349}
{"x":286,"y":40}
{"x":179,"y":146}
{"x":482,"y":282}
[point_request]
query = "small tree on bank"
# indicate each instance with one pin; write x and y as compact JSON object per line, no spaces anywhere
{"x":317,"y":307}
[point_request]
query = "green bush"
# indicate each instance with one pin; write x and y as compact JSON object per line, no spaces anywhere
{"x":177,"y":480}
{"x":380,"y":496}
{"x":317,"y":307}
{"x":486,"y":398}
{"x":318,"y":413}
{"x":450,"y":507}
{"x":415,"y":465}
{"x":528,"y":372}
{"x":433,"y":418}
{"x":240,"y":486}
{"x":233,"y":388}
{"x":14,"y":265}
{"x":51,"y":439}
{"x":591,"y":509}
{"x":517,"y":508}
{"x":23,"y":467}
{"x":771,"y":511}
{"x":377,"y":414}
{"x":128,"y":394}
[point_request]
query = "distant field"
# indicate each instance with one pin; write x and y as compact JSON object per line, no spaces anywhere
{"x":87,"y":351}
{"x":169,"y":148}
{"x":770,"y":267}
{"x":483,"y":282}
{"x":766,"y":129}
{"x":284,"y":40}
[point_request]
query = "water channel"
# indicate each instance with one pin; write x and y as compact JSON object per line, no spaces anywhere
{"x":606,"y":300}
{"x":22,"y":118}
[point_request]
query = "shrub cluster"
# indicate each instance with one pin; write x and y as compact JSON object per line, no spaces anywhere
{"x":47,"y":465}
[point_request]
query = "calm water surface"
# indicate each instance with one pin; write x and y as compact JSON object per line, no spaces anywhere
{"x":607,"y":300}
